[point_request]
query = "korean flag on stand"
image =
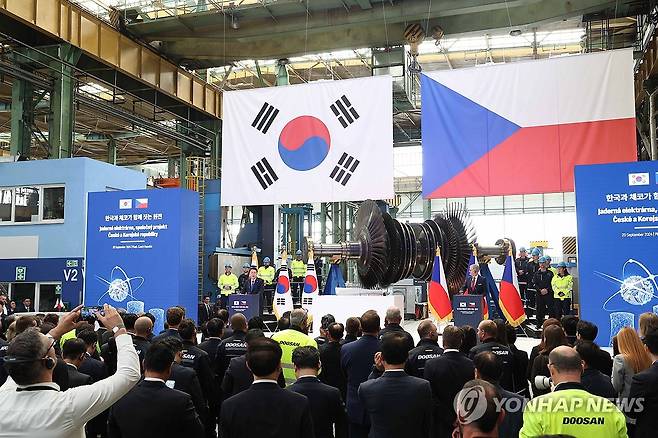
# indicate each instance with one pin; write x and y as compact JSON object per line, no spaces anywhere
{"x":310,"y":291}
{"x":326,"y":141}
{"x":282,"y":297}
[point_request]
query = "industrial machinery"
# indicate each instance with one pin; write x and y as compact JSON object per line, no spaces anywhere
{"x":387,"y":250}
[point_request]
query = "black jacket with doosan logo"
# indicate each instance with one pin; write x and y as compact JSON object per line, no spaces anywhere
{"x":504,"y":354}
{"x":233,"y":346}
{"x":197,"y":359}
{"x":426,"y":350}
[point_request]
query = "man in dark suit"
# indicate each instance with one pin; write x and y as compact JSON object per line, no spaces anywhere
{"x":447,"y":375}
{"x":428,"y":348}
{"x":174,"y":317}
{"x":356,"y":360}
{"x":645,"y":385}
{"x":520,"y":364}
{"x":487,"y":335}
{"x":214,"y":328}
{"x":475,"y":284}
{"x":90,"y":365}
{"x":25,"y":306}
{"x":73,"y":353}
{"x":153,"y":409}
{"x":331,"y":373}
{"x":399,"y":405}
{"x":352,"y":330}
{"x":253,"y":285}
{"x":392,"y":324}
{"x":205,"y":310}
{"x":266,"y":410}
{"x":594,"y":381}
{"x":490,"y":369}
{"x":327,"y":407}
{"x":587,"y":331}
{"x":238,"y":377}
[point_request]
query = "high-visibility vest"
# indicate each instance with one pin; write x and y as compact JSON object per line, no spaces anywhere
{"x":266,"y":274}
{"x":227,"y":280}
{"x":290,"y":339}
{"x":563,"y":286}
{"x":298,"y":268}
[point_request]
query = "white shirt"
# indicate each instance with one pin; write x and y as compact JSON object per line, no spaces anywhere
{"x":55,"y":414}
{"x":259,"y":381}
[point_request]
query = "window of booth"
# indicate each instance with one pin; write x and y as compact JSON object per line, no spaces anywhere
{"x":43,"y":295}
{"x":47,"y":296}
{"x":26,"y":201}
{"x":6,"y":204}
{"x":32,"y":204}
{"x":21,"y":291}
{"x":53,"y":203}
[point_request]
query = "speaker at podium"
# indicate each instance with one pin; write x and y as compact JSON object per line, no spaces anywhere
{"x":467,"y":310}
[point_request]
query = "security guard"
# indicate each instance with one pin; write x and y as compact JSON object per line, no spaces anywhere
{"x":228,"y":284}
{"x":486,"y":333}
{"x":298,"y":268}
{"x":542,"y":283}
{"x":292,"y":338}
{"x":562,"y":284}
{"x":231,"y":347}
{"x":531,"y":292}
{"x":267,"y":273}
{"x":570,"y":410}
{"x":244,"y":276}
{"x":428,"y":348}
{"x":550,"y":266}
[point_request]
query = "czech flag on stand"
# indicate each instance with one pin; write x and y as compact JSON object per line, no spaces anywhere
{"x":438,"y":297}
{"x":485,"y":305}
{"x":282,"y":297}
{"x":509,"y":297}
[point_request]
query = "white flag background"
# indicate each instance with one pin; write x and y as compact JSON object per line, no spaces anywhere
{"x":320,"y":142}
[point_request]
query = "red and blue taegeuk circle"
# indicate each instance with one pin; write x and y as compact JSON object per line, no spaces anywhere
{"x":310,"y":284}
{"x":282,"y":285}
{"x":304,"y":143}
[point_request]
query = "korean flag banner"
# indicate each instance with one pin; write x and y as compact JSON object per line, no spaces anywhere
{"x":327,"y":141}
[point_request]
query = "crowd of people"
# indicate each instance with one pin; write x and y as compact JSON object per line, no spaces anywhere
{"x":109,"y":375}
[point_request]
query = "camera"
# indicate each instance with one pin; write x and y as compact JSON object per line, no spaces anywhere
{"x":543,"y":382}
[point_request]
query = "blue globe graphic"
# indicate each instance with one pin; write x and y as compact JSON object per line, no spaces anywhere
{"x":304,"y":143}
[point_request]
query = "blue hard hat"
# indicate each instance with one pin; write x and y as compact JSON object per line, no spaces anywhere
{"x":535,"y":252}
{"x":227,"y":265}
{"x":522,"y":249}
{"x":561,"y":265}
{"x":299,"y":252}
{"x":246,"y":266}
{"x":542,"y":259}
{"x":266,"y":260}
{"x":548,"y":257}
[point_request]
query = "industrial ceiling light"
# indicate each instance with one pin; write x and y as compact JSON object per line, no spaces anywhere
{"x":235,"y":22}
{"x":515,"y":32}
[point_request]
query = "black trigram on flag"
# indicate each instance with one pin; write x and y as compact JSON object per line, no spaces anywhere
{"x":344,"y":111}
{"x":345,"y":168}
{"x":265,"y":117}
{"x":264,"y":173}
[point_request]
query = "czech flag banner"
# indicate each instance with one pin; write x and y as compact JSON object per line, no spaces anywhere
{"x":510,"y":297}
{"x":438,"y":297}
{"x":485,"y":306}
{"x":282,"y":297}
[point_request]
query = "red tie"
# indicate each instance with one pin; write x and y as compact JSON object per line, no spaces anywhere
{"x":473,"y":284}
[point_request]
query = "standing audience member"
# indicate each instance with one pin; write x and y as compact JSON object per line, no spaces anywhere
{"x":645,"y":386}
{"x":143,"y":330}
{"x":331,"y":374}
{"x":326,"y":403}
{"x":594,"y":381}
{"x":632,"y":359}
{"x":447,"y":375}
{"x":562,"y":284}
{"x":91,"y":365}
{"x":534,"y":352}
{"x":520,"y":363}
{"x":289,"y":339}
{"x":410,"y":415}
{"x":352,"y":330}
{"x":214,"y":328}
{"x":325,"y":322}
{"x":428,"y":348}
{"x":542,"y":416}
{"x":233,"y":346}
{"x":553,"y":337}
{"x":487,"y":334}
{"x":569,"y":324}
{"x":174,"y":317}
{"x":205,"y":310}
{"x":647,"y":322}
{"x":490,"y":369}
{"x":223,"y":315}
{"x":469,"y":340}
{"x":73,"y":354}
{"x":356,"y":360}
{"x":26,"y":306}
{"x":482,"y":394}
{"x":266,"y":410}
{"x":392,"y":324}
{"x":542,"y":283}
{"x":43,"y":410}
{"x":587,"y":331}
{"x":151,"y":409}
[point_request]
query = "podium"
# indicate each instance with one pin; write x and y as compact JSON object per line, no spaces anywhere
{"x":247,"y":304}
{"x":467,"y":310}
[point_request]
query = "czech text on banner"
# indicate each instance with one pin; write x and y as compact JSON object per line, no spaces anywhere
{"x":482,"y":127}
{"x":322,"y":142}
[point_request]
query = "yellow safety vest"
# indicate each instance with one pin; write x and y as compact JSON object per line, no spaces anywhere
{"x":266,"y":274}
{"x":229,"y":280}
{"x":562,"y":286}
{"x":298,"y":268}
{"x":290,"y":339}
{"x":553,"y":270}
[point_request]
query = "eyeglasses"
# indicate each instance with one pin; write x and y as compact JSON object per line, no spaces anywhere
{"x":51,"y":346}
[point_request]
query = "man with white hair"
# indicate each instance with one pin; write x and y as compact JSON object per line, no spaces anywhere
{"x":475,"y":284}
{"x":289,"y":339}
{"x":392,"y":324}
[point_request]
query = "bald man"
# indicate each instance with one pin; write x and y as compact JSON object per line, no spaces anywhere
{"x":428,"y":348}
{"x":487,"y":331}
{"x":141,"y":333}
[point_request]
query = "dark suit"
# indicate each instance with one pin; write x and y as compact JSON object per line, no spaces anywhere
{"x":348,"y":338}
{"x":255,"y":288}
{"x":186,"y":380}
{"x":597,"y":383}
{"x":266,"y":411}
{"x":447,"y":375}
{"x":151,"y":409}
{"x":20,"y":308}
{"x":197,"y":359}
{"x":210,"y":346}
{"x":238,"y":377}
{"x":645,"y":385}
{"x":480,"y":287}
{"x":395,"y":328}
{"x":399,"y":405}
{"x":356,"y":360}
{"x":166,"y":334}
{"x":519,"y":374}
{"x":76,"y":378}
{"x":98,"y":371}
{"x":327,"y":407}
{"x":205,"y":312}
{"x":331,"y":374}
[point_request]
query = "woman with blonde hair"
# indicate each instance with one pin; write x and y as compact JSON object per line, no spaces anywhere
{"x":632,"y":359}
{"x":648,"y":322}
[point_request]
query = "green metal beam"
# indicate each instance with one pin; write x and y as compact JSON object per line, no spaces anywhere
{"x":22,"y":117}
{"x":60,"y":124}
{"x":112,"y":151}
